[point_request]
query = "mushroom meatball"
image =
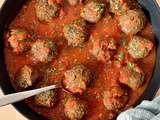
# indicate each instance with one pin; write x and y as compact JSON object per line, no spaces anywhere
{"x":121,"y":6}
{"x":75,"y":33}
{"x":139,"y":47}
{"x":46,"y":99}
{"x":43,"y":50}
{"x":74,"y":108}
{"x":46,"y":10}
{"x":19,"y":40}
{"x":101,"y":49}
{"x":132,"y":76}
{"x":77,"y":78}
{"x":115,"y":98}
{"x":92,"y":12}
{"x":73,"y":2}
{"x":25,"y":77}
{"x":132,"y":22}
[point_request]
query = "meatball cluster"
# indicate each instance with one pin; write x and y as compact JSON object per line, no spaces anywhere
{"x":40,"y":50}
{"x":104,"y":48}
{"x":77,"y":78}
{"x":76,"y":81}
{"x":130,"y":16}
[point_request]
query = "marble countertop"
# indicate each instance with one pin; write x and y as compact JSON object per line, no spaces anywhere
{"x":9,"y":112}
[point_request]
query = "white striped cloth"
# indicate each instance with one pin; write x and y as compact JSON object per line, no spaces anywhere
{"x":147,"y":110}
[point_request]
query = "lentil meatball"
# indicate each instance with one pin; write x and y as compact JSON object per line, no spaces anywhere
{"x":75,"y":33}
{"x":101,"y":49}
{"x":132,"y":22}
{"x":92,"y":12}
{"x":43,"y":50}
{"x":75,"y":109}
{"x":19,"y":40}
{"x":132,"y":76}
{"x":115,"y":98}
{"x":46,"y":10}
{"x":46,"y":99}
{"x":139,"y":47}
{"x":25,"y":77}
{"x":121,"y":6}
{"x":77,"y":78}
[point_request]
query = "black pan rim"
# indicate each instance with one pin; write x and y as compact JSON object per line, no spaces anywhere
{"x":23,"y":108}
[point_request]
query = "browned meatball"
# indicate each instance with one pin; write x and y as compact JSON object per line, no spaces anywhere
{"x":121,"y":6}
{"x":43,"y":50}
{"x":77,"y":79}
{"x":75,"y":33}
{"x":25,"y":77}
{"x":46,"y":99}
{"x":132,"y":76}
{"x":132,"y":22}
{"x":115,"y":98}
{"x":101,"y":49}
{"x":92,"y":11}
{"x":46,"y":10}
{"x":139,"y":47}
{"x":75,"y":109}
{"x":19,"y":40}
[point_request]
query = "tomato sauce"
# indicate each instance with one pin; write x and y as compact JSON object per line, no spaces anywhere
{"x":105,"y":75}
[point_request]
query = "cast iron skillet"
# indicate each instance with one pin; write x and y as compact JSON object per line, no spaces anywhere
{"x":9,"y":11}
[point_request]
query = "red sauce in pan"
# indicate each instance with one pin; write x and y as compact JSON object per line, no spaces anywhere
{"x":105,"y":74}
